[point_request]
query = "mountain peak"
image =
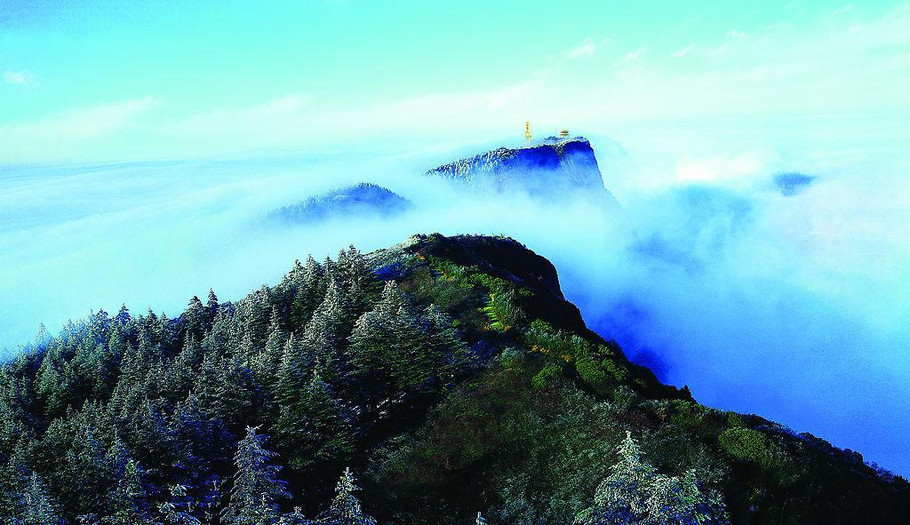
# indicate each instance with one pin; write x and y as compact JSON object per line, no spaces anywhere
{"x":538,"y":168}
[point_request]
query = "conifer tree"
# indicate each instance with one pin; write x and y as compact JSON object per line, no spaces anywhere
{"x":129,"y":501}
{"x":181,"y":374}
{"x":389,"y":349}
{"x":635,"y":493}
{"x":266,"y":364}
{"x":218,"y":339}
{"x":178,"y":510}
{"x":356,"y":277}
{"x":212,"y":306}
{"x":257,"y":488}
{"x":294,"y":279}
{"x":311,"y":429}
{"x":295,"y":517}
{"x":83,"y":464}
{"x":122,"y":318}
{"x":291,"y":371}
{"x":37,"y":506}
{"x":308,"y":293}
{"x":345,"y":508}
{"x":325,"y":333}
{"x":205,"y":444}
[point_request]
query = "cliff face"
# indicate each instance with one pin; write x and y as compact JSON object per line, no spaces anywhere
{"x":567,"y":164}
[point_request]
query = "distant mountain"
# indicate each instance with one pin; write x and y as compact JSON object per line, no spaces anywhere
{"x":790,"y":184}
{"x":551,"y":166}
{"x":364,"y":198}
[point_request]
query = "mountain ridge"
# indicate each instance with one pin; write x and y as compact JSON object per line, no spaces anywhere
{"x":449,"y":372}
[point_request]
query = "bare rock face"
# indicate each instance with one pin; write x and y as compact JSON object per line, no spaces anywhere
{"x":550,"y":167}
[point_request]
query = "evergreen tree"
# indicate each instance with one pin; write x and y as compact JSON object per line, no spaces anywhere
{"x":257,"y":488}
{"x":37,"y":506}
{"x":180,"y":376}
{"x":212,"y":307}
{"x":345,"y":508}
{"x":178,"y":510}
{"x":291,"y":371}
{"x":635,"y":494}
{"x":129,"y":501}
{"x":357,"y":278}
{"x":308,"y":293}
{"x":311,"y":429}
{"x":205,"y":446}
{"x":122,"y":318}
{"x":325,"y":333}
{"x":391,"y":350}
{"x":266,"y":363}
{"x":295,"y":517}
{"x":83,"y":464}
{"x":217,"y":341}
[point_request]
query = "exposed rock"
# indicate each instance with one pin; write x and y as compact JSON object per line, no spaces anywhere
{"x":553,"y":165}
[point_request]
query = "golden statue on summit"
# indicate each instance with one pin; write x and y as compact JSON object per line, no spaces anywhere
{"x":529,"y":137}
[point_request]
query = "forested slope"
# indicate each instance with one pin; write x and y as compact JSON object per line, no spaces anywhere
{"x":449,"y":374}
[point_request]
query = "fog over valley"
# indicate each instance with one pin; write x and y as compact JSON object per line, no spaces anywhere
{"x":770,"y":276}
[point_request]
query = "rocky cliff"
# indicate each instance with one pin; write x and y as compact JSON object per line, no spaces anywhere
{"x":551,"y":165}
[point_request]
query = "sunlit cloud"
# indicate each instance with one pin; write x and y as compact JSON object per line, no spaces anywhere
{"x":632,"y":56}
{"x":18,"y":78}
{"x":720,"y":169}
{"x":679,"y":53}
{"x":60,"y":136}
{"x":820,"y":69}
{"x":585,"y":49}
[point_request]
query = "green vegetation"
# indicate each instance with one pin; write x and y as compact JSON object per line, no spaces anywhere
{"x":449,"y":373}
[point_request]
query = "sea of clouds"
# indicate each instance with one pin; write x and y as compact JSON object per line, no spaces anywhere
{"x":789,"y":304}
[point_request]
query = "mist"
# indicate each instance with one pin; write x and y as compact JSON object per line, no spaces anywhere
{"x":790,"y":305}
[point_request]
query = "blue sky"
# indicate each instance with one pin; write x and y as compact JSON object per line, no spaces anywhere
{"x":98,"y":80}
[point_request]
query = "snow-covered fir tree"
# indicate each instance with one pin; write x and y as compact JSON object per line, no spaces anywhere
{"x":257,"y":488}
{"x":636,"y":494}
{"x":345,"y":508}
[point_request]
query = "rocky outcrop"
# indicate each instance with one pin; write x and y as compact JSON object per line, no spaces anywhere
{"x":544,"y":168}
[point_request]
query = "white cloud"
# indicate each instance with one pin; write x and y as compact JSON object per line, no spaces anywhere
{"x":735,"y":35}
{"x":585,"y":49}
{"x":679,"y":53}
{"x":632,"y":56}
{"x":716,"y":169}
{"x":775,"y":70}
{"x":269,"y":117}
{"x":295,"y":120}
{"x":18,"y":78}
{"x":64,"y":134}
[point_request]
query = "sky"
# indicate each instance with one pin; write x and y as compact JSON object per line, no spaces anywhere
{"x":104,"y":80}
{"x":141,"y":147}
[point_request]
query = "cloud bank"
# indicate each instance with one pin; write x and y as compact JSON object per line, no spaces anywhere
{"x":792,"y":307}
